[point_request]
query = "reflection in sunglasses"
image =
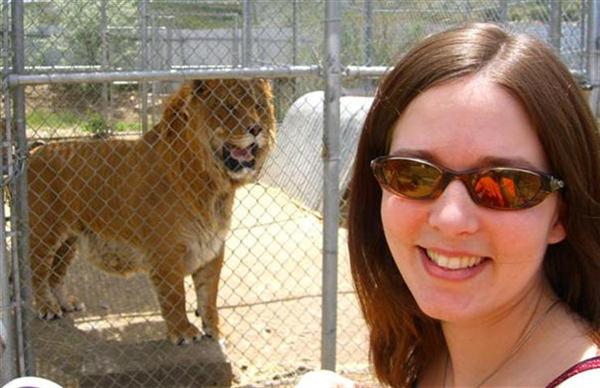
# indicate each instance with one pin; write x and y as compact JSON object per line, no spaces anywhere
{"x":509,"y":190}
{"x":488,"y":190}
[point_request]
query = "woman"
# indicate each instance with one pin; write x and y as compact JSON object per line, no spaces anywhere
{"x":474,"y":219}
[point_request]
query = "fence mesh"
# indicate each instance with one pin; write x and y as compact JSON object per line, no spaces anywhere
{"x":170,"y":179}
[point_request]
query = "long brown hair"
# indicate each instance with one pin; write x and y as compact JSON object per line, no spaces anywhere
{"x":402,"y":338}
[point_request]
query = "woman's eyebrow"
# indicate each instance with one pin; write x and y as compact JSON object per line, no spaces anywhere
{"x":496,"y":161}
{"x":482,"y":162}
{"x":422,"y":154}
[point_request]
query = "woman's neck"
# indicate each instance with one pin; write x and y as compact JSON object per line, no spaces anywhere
{"x":484,"y":351}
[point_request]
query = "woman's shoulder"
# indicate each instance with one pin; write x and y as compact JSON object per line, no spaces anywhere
{"x":585,"y":373}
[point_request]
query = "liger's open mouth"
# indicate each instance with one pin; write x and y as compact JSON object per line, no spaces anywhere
{"x":236,"y":158}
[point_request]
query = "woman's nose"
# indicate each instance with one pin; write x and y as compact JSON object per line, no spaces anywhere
{"x":454,"y":213}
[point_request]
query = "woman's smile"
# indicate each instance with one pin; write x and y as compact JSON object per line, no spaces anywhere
{"x":453,"y":262}
{"x":451,"y":266}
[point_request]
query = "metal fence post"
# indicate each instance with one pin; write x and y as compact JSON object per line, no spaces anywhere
{"x":467,"y":10}
{"x":247,"y":35}
{"x":8,"y":366}
{"x":555,"y":24}
{"x":593,"y":49}
{"x":503,"y":11}
{"x":331,"y":159}
{"x":20,"y":215}
{"x":104,"y":55}
{"x":144,"y":52}
{"x":154,"y":63}
{"x":169,"y":56}
{"x":235,"y":53}
{"x":368,"y":10}
{"x":8,"y":354}
{"x":294,"y":32}
{"x":7,"y":329}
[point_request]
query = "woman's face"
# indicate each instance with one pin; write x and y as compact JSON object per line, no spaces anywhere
{"x":461,"y":125}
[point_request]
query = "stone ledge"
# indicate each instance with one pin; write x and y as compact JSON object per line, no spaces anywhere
{"x":77,"y":358}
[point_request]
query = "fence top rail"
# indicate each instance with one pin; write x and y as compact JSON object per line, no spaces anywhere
{"x":365,"y":71}
{"x":162,"y":75}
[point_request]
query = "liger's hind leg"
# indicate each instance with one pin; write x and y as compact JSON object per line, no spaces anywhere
{"x":62,"y":259}
{"x":42,"y":249}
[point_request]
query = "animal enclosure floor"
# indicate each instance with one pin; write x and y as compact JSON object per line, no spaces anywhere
{"x":269,"y":304}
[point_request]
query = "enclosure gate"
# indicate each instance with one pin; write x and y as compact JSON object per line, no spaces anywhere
{"x":103,"y":69}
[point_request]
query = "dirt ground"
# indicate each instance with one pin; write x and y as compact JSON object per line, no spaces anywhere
{"x":269,"y":304}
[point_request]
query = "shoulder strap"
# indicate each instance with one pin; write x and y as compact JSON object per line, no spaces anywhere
{"x":590,"y":363}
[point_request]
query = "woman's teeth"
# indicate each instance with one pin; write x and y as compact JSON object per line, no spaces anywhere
{"x":454,"y":262}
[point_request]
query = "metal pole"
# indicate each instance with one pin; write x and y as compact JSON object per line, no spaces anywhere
{"x":8,"y":367}
{"x":144,"y":49}
{"x":169,"y":58}
{"x":555,"y":24}
{"x":247,"y":35}
{"x":8,"y":353}
{"x":593,"y":50}
{"x":235,"y":43}
{"x":166,"y":75}
{"x":234,"y":55}
{"x":368,"y":9}
{"x":368,"y":32}
{"x":589,"y":34}
{"x":294,"y":32}
{"x":153,"y":65}
{"x":503,"y":11}
{"x":583,"y":29}
{"x":467,"y":10}
{"x":20,"y":219}
{"x":104,"y":53}
{"x":331,"y":159}
{"x":182,"y":41}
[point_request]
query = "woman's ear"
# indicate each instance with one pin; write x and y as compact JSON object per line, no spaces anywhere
{"x":558,"y":231}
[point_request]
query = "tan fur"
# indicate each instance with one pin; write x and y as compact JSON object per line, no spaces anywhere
{"x":161,"y":204}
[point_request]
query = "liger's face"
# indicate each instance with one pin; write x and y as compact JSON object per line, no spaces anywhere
{"x":462,"y":261}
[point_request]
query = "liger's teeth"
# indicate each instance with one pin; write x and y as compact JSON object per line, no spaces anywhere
{"x":453,"y":262}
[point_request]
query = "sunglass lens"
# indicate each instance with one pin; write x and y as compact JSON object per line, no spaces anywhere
{"x":409,"y":178}
{"x":506,"y":189}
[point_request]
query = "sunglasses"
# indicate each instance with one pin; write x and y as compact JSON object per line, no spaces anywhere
{"x":503,"y":188}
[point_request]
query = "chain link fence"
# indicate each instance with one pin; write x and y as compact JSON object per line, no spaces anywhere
{"x":181,"y":143}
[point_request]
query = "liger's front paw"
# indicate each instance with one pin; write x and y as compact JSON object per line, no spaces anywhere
{"x":209,"y":326}
{"x":49,"y":310}
{"x":185,"y":336}
{"x":210,"y":331}
{"x":72,"y":304}
{"x":68,"y":303}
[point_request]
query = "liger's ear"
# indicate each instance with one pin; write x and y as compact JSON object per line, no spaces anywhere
{"x":199,"y":87}
{"x":175,"y":115}
{"x":202,"y":88}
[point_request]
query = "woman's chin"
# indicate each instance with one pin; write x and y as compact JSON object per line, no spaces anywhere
{"x":449,"y":309}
